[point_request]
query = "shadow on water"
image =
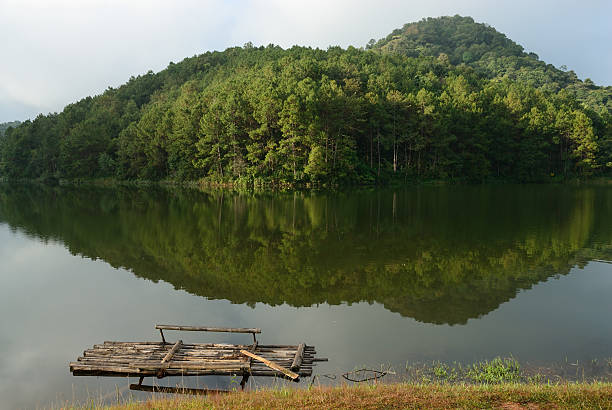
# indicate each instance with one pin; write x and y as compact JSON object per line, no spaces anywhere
{"x":437,"y":254}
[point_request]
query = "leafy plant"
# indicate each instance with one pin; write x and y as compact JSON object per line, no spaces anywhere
{"x":497,"y":370}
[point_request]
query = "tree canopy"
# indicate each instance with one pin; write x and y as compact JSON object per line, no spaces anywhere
{"x":460,"y":40}
{"x":443,"y":98}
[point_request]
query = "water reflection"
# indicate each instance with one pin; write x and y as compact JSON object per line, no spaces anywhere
{"x":437,"y":254}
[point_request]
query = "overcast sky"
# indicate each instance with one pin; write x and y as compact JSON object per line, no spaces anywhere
{"x":54,"y":52}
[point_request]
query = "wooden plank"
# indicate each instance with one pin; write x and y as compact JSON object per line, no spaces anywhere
{"x":299,"y":356}
{"x":288,"y":373}
{"x":208,"y":329}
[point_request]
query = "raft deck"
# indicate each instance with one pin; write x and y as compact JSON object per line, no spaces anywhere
{"x":161,"y":359}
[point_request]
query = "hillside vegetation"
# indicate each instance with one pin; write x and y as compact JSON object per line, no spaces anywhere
{"x":443,"y":98}
{"x":460,"y":40}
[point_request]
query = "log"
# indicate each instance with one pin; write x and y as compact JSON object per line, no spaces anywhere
{"x":172,"y":351}
{"x":208,"y":329}
{"x":149,"y":358}
{"x":233,"y":365}
{"x":159,"y":346}
{"x":176,"y":390}
{"x":279,"y":346}
{"x":161,"y":353}
{"x":111,"y":369}
{"x":142,"y":361}
{"x":181,"y":373}
{"x":288,"y":373}
{"x":167,"y":358}
{"x":299,"y":356}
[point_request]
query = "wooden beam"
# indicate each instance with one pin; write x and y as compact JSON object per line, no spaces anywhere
{"x":272,"y":365}
{"x":208,"y":329}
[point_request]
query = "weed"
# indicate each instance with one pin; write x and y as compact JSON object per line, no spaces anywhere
{"x":497,"y":370}
{"x":535,"y":379}
{"x":234,"y":383}
{"x":440,"y":370}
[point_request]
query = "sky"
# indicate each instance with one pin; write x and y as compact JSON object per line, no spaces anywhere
{"x":54,"y":52}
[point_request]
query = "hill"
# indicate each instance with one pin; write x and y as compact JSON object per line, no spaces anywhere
{"x":400,"y":111}
{"x":462,"y":41}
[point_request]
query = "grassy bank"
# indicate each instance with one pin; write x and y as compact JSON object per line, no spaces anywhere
{"x":399,"y":395}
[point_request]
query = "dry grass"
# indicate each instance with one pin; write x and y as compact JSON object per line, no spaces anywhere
{"x":400,"y":395}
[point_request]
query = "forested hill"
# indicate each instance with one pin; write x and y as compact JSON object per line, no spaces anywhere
{"x":460,"y":40}
{"x":255,"y":115}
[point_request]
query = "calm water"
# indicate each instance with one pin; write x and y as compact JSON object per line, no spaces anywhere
{"x":371,"y":278}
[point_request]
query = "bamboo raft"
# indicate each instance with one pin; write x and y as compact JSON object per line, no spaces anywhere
{"x":164,"y":359}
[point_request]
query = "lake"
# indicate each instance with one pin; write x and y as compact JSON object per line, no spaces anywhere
{"x":372,"y":278}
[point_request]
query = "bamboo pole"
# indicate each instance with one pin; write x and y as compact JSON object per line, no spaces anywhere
{"x":288,"y":373}
{"x":208,"y":329}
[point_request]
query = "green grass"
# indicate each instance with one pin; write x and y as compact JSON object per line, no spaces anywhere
{"x":498,"y":383}
{"x":497,"y":370}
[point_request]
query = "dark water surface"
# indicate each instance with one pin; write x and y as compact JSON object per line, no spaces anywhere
{"x":371,"y":278}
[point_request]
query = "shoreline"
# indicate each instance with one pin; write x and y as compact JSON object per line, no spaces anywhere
{"x":275,"y":186}
{"x":395,"y":395}
{"x":500,"y":383}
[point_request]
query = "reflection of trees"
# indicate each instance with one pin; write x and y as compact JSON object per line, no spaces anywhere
{"x":440,"y":255}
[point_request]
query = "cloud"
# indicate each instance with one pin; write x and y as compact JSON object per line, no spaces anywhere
{"x":59,"y":54}
{"x":57,"y":51}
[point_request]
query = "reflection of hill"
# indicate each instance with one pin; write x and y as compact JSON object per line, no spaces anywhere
{"x":440,"y":255}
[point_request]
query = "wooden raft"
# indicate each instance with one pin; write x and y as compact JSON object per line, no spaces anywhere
{"x":162,"y":359}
